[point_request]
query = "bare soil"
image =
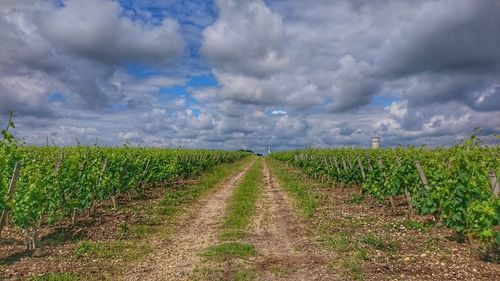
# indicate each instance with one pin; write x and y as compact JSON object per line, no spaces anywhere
{"x":176,"y":256}
{"x":56,"y":247}
{"x":371,"y":241}
{"x":286,"y":251}
{"x":410,"y":249}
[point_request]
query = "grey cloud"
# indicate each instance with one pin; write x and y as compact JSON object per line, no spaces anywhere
{"x":155,"y":121}
{"x":479,"y":92}
{"x":230,"y":109}
{"x":229,"y":125}
{"x":344,"y":53}
{"x":75,"y":51}
{"x":354,"y":84}
{"x":448,"y":36}
{"x":487,"y":99}
{"x":205,"y":95}
{"x":95,"y":29}
{"x":246,"y":38}
{"x":347,"y":131}
{"x":322,"y":62}
{"x":451,"y":51}
{"x":341,"y":54}
{"x":287,"y":128}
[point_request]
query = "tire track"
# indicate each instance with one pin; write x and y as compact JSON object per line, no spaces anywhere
{"x":178,"y":256}
{"x":281,"y":239}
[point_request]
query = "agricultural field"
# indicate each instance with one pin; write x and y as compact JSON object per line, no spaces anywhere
{"x":54,"y":196}
{"x":249,"y":140}
{"x":137,"y":213}
{"x":457,"y":186}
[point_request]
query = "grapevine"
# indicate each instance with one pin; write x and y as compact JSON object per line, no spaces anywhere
{"x":458,"y":191}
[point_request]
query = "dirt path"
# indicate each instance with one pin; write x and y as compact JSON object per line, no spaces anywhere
{"x":177,"y":256}
{"x":281,"y":239}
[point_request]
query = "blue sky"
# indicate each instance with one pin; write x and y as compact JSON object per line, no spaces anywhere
{"x":233,"y":74}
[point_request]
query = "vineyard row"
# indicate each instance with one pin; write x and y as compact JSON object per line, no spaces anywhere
{"x":46,"y":185}
{"x":457,"y":185}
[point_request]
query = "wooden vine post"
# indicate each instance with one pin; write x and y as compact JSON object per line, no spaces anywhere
{"x":57,"y":169}
{"x":425,"y":182}
{"x":73,"y":216}
{"x":337,"y":166}
{"x":376,"y":145}
{"x":314,"y":160}
{"x":330,"y":162}
{"x":391,"y":200}
{"x":407,"y":193}
{"x":422,"y":175}
{"x":122,"y":175}
{"x":325,"y":177}
{"x":344,"y":164}
{"x":495,"y":187}
{"x":349,"y":163}
{"x":145,"y":172}
{"x":93,"y":205}
{"x":410,"y":206}
{"x":75,"y":210}
{"x":360,"y":163}
{"x":10,"y":193}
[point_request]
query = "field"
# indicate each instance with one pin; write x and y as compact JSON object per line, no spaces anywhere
{"x":249,"y":140}
{"x":406,"y":213}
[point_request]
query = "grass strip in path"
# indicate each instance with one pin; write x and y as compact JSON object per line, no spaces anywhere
{"x":242,"y":205}
{"x":229,"y":250}
{"x":223,"y":261}
{"x":294,"y":184}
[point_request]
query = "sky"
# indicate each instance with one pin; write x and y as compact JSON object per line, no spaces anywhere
{"x":243,"y":74}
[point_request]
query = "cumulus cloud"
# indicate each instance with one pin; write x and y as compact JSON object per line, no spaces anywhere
{"x":287,"y":73}
{"x":433,"y":56}
{"x":74,"y":49}
{"x":354,"y":84}
{"x":447,"y":36}
{"x":246,"y":38}
{"x":96,"y":30}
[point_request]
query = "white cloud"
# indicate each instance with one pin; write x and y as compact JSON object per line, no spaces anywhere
{"x":246,"y":39}
{"x":278,"y":112}
{"x":75,"y":50}
{"x":328,"y":72}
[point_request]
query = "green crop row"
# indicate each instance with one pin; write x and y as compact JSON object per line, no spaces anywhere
{"x":457,"y":188}
{"x":54,"y":182}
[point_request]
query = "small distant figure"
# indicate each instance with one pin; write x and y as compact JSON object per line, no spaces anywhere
{"x":268,"y":150}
